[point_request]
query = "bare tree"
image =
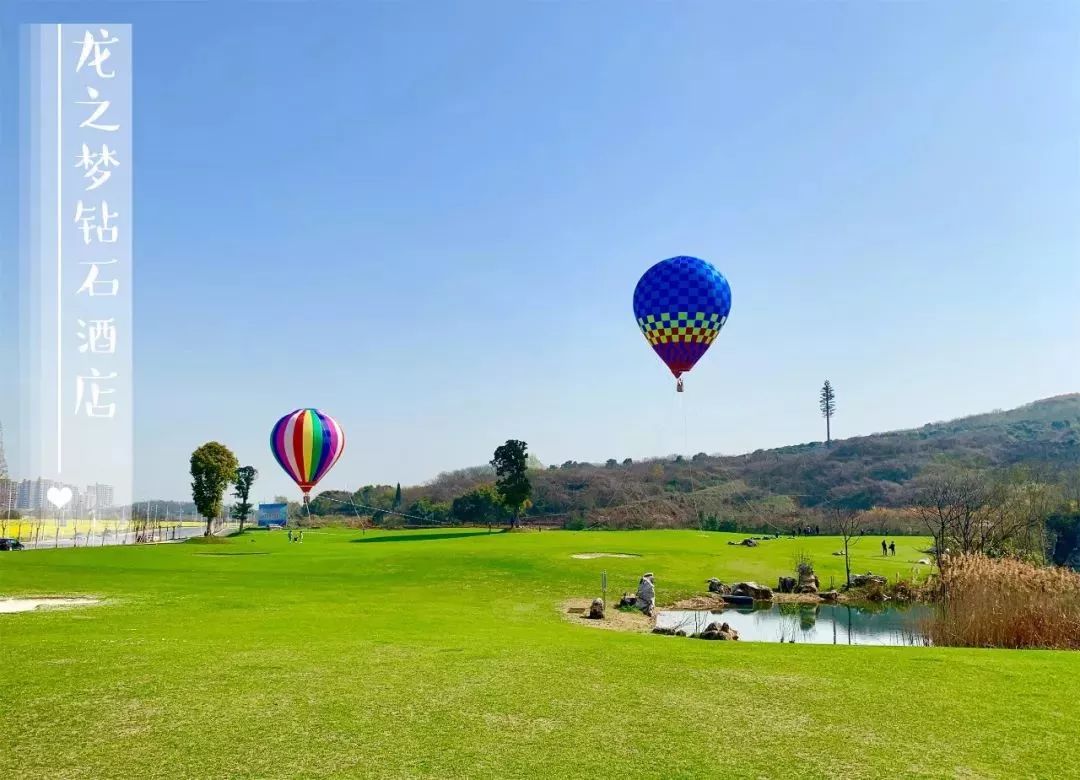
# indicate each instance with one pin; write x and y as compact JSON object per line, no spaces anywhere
{"x":949,"y":504}
{"x":828,"y":409}
{"x":989,"y":514}
{"x":849,"y":524}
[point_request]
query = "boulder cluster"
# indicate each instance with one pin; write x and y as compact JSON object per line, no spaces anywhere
{"x":718,"y":631}
{"x":750,"y":541}
{"x":712,"y":631}
{"x":806,"y":582}
{"x":865,"y":580}
{"x":742,"y":589}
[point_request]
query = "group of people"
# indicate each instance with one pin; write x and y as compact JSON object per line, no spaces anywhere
{"x":888,"y":549}
{"x":296,"y":537}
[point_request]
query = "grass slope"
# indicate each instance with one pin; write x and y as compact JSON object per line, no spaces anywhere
{"x":444,"y":655}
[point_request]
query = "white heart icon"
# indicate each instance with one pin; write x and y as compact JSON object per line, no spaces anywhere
{"x":59,"y":497}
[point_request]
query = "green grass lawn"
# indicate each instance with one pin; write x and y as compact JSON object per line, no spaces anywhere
{"x":445,"y":655}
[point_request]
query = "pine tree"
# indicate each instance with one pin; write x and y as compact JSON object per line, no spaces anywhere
{"x":397,"y":496}
{"x":828,"y":409}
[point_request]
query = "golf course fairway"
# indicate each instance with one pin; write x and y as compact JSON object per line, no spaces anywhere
{"x":449,"y":654}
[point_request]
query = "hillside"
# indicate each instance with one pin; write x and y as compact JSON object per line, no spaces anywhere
{"x":875,"y":470}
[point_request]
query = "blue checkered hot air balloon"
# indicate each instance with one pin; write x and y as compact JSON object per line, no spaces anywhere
{"x":680,"y":305}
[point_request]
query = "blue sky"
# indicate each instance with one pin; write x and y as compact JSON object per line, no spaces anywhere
{"x":427,"y":219}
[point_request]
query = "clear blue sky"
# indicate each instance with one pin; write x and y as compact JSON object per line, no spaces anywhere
{"x":427,"y":219}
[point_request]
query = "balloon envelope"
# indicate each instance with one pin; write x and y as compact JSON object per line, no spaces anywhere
{"x":680,"y":305}
{"x":307,"y":443}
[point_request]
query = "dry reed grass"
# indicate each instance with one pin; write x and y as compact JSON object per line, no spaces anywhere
{"x":992,"y":602}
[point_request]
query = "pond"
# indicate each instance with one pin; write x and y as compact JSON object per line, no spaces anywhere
{"x":819,"y":624}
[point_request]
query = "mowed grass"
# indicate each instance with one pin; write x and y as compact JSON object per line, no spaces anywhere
{"x":446,"y":655}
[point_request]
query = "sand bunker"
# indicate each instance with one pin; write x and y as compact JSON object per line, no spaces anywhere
{"x":29,"y":605}
{"x":576,"y":611}
{"x":590,"y":556}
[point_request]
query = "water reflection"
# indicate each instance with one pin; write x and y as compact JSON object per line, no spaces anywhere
{"x":836,"y":624}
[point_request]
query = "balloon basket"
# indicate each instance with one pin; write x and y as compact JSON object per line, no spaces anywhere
{"x":678,"y":386}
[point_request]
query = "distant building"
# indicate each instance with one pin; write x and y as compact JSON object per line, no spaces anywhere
{"x":32,"y":494}
{"x":99,"y":497}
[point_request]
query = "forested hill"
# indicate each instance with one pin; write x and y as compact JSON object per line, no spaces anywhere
{"x":875,"y":470}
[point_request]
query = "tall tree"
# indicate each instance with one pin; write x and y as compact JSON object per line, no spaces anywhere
{"x":828,"y":409}
{"x":213,"y":466}
{"x":397,"y":496}
{"x":511,"y":464}
{"x":243,"y":480}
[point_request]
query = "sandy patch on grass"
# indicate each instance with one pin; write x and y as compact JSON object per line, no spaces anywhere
{"x":576,"y":611}
{"x":590,"y":556}
{"x":29,"y":605}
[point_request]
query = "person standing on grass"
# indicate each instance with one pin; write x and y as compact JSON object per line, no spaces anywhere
{"x":646,"y":594}
{"x":884,"y":548}
{"x":892,"y":548}
{"x":290,"y":536}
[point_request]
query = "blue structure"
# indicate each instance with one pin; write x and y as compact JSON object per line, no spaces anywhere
{"x":273,"y":514}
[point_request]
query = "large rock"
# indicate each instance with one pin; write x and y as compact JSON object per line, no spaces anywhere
{"x":786,"y":585}
{"x":828,"y":595}
{"x":808,"y":583}
{"x":715,"y":586}
{"x":864,"y":580}
{"x":628,"y":600}
{"x":596,"y":610}
{"x":753,"y":590}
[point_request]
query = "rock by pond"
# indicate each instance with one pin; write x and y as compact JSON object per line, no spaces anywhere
{"x":805,"y":623}
{"x":715,"y":586}
{"x":808,"y":582}
{"x":721,"y":631}
{"x":669,"y":631}
{"x":753,"y":590}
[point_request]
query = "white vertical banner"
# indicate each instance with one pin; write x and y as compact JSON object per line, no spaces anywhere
{"x":77,"y":266}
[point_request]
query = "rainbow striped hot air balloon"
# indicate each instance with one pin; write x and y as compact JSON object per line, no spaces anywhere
{"x":307,"y":443}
